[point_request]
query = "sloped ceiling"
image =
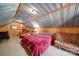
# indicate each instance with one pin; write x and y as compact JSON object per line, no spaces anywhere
{"x":7,"y":12}
{"x":47,"y":14}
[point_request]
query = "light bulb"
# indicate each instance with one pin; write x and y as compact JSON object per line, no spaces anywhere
{"x":34,"y":12}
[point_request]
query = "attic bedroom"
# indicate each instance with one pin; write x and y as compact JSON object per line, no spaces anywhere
{"x":39,"y":29}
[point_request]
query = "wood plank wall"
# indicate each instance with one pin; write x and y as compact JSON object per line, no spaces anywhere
{"x":62,"y":30}
{"x":52,"y":30}
{"x":11,"y":31}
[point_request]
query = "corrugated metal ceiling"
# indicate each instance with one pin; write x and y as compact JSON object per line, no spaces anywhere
{"x":47,"y":14}
{"x":7,"y":12}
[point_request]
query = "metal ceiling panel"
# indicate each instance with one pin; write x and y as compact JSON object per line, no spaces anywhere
{"x":78,"y":8}
{"x":7,"y":12}
{"x":53,"y":19}
{"x":56,"y":18}
{"x":72,"y":10}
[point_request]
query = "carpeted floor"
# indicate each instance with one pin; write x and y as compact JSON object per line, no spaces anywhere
{"x":13,"y":48}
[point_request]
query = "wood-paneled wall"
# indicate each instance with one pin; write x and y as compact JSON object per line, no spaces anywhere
{"x":52,"y":30}
{"x":61,"y":29}
{"x":11,"y":31}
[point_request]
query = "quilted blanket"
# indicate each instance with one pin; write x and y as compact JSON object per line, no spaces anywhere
{"x":36,"y":43}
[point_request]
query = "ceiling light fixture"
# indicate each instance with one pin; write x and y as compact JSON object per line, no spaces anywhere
{"x":34,"y":12}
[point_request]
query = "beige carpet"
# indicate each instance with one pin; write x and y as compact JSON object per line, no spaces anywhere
{"x":13,"y":48}
{"x":53,"y":51}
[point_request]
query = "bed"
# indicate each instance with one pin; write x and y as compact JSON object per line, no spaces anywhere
{"x":36,"y":43}
{"x":68,"y":42}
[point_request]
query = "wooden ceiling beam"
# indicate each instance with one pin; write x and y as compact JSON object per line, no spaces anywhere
{"x":53,"y":11}
{"x":20,"y":6}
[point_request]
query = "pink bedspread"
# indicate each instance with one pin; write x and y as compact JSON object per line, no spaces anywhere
{"x":37,"y":43}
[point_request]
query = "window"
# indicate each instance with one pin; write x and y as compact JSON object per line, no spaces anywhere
{"x":13,"y":27}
